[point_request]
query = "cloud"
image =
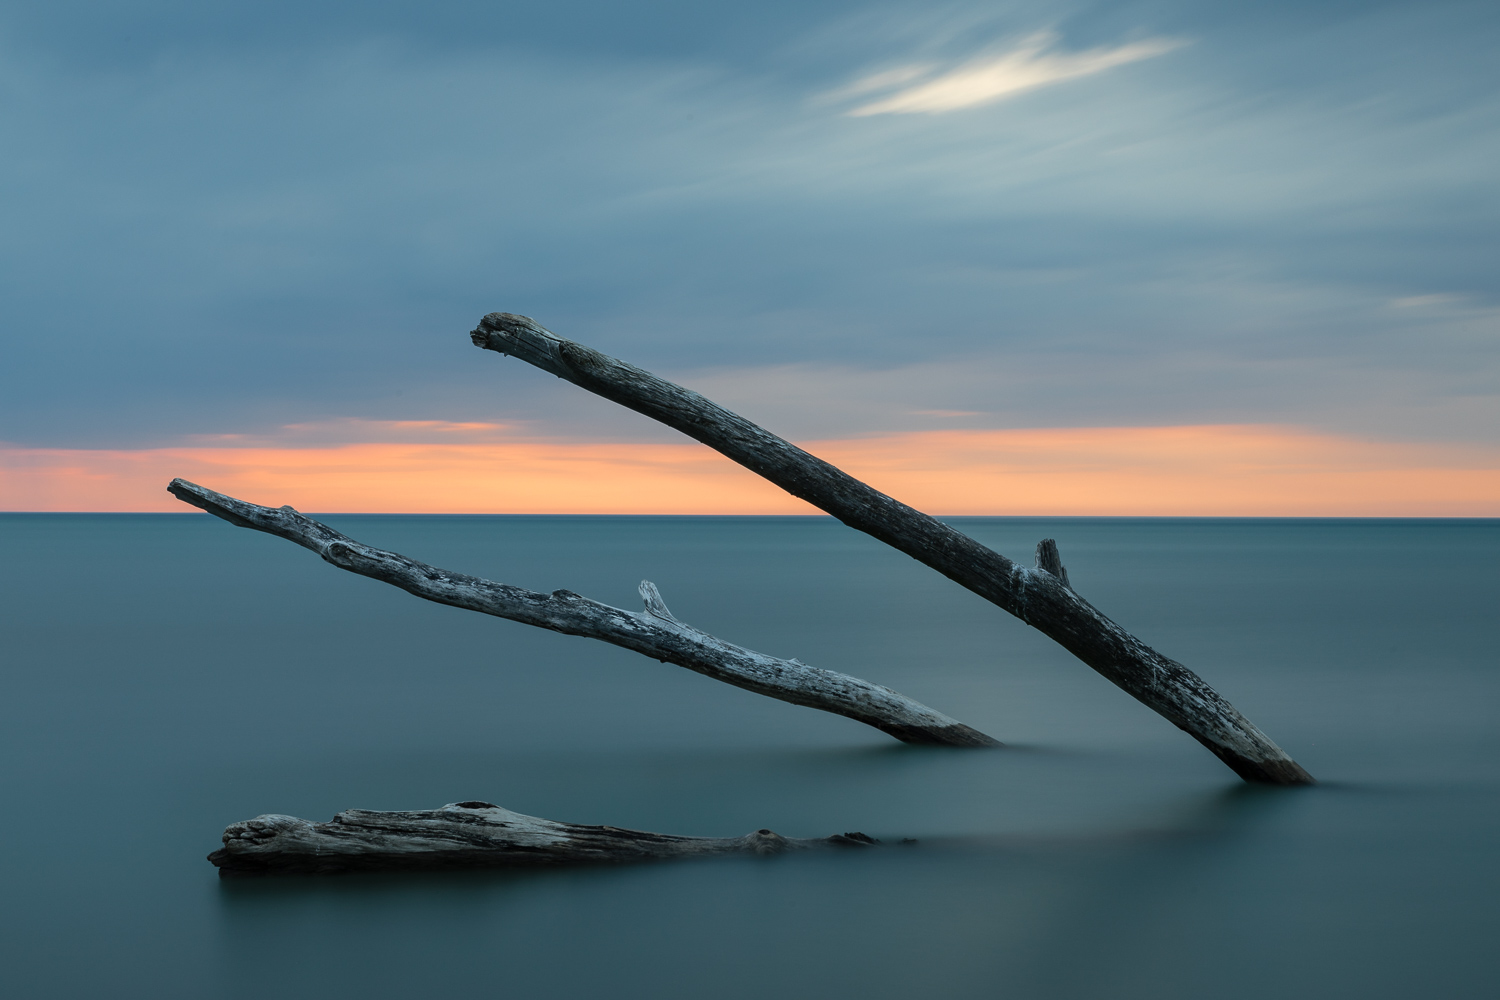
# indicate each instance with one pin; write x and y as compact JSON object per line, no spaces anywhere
{"x":352,"y":430}
{"x":993,"y":78}
{"x":1425,"y":301}
{"x":261,"y":235}
{"x":948,"y":413}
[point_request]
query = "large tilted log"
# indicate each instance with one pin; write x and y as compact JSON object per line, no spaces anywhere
{"x":467,"y":835}
{"x":653,"y":631}
{"x":1038,"y":597}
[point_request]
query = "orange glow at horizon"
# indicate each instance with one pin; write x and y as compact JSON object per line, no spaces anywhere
{"x":1227,"y":470}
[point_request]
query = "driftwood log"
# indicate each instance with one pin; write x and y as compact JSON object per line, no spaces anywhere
{"x":1041,"y":597}
{"x":467,"y":835}
{"x":654,"y":631}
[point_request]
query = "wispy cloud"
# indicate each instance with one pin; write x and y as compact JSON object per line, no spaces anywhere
{"x":1218,"y":243}
{"x":993,"y":77}
{"x":1426,"y":301}
{"x":948,"y":413}
{"x":354,"y":430}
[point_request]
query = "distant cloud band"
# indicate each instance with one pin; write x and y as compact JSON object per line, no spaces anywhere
{"x":1226,"y":470}
{"x":993,"y":78}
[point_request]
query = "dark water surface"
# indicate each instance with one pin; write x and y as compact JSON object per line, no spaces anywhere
{"x":165,"y":675}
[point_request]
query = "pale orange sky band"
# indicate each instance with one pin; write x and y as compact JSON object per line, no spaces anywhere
{"x":1196,"y":470}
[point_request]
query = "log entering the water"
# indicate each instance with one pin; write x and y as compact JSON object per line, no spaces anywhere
{"x":654,"y":631}
{"x":1040,"y":597}
{"x":467,"y":835}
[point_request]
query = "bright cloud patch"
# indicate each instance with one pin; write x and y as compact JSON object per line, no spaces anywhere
{"x":994,"y":77}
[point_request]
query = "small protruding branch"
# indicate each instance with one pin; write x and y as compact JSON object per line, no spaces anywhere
{"x":1040,"y":599}
{"x":468,"y":834}
{"x":1049,"y":560}
{"x":655,"y":606}
{"x":653,"y":632}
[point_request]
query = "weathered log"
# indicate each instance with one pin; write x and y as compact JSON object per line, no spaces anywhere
{"x":654,"y":631}
{"x":1039,"y":597}
{"x":468,"y":835}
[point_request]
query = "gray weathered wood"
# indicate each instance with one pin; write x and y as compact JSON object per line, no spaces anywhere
{"x":1049,"y":560}
{"x":654,"y":631}
{"x":1039,"y":597}
{"x":468,"y":835}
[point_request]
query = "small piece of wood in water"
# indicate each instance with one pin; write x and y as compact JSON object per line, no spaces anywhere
{"x":468,"y":835}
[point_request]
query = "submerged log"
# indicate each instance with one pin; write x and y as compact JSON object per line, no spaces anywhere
{"x":1038,"y":596}
{"x":467,"y":835}
{"x":654,"y":631}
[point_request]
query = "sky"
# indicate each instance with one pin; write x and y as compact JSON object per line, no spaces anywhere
{"x":1170,"y":257}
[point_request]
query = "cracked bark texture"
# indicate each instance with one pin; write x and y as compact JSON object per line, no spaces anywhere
{"x":1038,"y":596}
{"x":468,"y":835}
{"x":653,"y":632}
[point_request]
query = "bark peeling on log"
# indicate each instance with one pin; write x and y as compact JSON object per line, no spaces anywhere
{"x":468,"y":835}
{"x":1040,"y":597}
{"x":653,"y":632}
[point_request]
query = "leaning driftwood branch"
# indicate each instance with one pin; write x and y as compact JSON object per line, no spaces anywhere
{"x":1036,"y":596}
{"x":467,"y":834}
{"x":653,"y":632}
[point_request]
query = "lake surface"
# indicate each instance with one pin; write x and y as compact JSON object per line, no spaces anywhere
{"x":162,"y":676}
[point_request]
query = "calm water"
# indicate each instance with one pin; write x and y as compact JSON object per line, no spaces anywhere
{"x":163,"y":676}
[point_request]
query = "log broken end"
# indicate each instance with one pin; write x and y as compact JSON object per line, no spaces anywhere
{"x":524,"y":337}
{"x":216,"y":504}
{"x":495,"y":327}
{"x":1049,"y":559}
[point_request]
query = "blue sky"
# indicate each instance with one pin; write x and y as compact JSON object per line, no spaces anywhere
{"x":840,"y":218}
